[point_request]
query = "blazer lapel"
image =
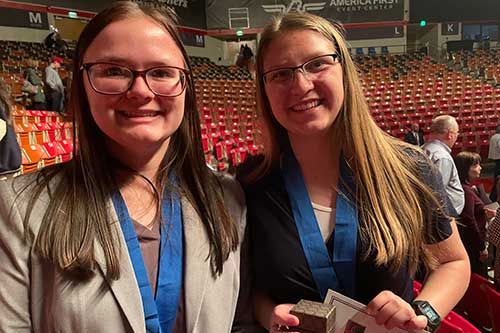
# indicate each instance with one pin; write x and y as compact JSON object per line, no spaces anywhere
{"x":125,"y":289}
{"x":197,"y":263}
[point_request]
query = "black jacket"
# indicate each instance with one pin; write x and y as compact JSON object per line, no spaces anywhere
{"x":10,"y":152}
{"x":410,"y":138}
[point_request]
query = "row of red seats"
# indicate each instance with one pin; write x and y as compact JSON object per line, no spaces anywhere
{"x":36,"y":156}
{"x":45,"y":138}
{"x":480,"y":305}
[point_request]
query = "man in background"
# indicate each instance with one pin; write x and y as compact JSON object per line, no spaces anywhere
{"x":443,"y":135}
{"x":54,"y":86}
{"x":494,"y":154}
{"x":33,"y":85}
{"x":414,"y":135}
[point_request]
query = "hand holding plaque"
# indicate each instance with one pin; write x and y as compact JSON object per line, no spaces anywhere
{"x":314,"y":317}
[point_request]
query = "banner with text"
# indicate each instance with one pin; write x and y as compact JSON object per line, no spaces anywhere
{"x":11,"y":17}
{"x":255,"y":14}
{"x":375,"y":33}
{"x":85,"y":5}
{"x":192,"y":39}
{"x":191,"y":12}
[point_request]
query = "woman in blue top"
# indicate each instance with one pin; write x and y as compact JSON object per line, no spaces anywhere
{"x":336,"y":203}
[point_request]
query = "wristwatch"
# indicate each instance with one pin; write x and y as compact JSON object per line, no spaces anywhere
{"x":425,"y":309}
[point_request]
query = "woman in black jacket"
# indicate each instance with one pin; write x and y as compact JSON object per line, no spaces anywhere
{"x":10,"y":153}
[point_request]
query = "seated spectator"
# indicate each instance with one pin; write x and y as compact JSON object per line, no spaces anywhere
{"x":472,"y":222}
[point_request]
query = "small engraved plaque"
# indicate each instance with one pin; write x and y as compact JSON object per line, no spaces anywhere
{"x":314,"y":317}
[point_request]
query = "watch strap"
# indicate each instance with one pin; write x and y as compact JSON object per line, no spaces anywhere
{"x":433,"y":318}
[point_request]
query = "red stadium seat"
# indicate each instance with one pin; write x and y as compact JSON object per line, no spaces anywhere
{"x":41,"y":126}
{"x":32,"y":157}
{"x":474,"y":304}
{"x":452,"y":323}
{"x":39,"y":136}
{"x":456,"y":320}
{"x":54,"y":150}
{"x":493,"y":297}
{"x":67,"y":146}
{"x":221,"y":165}
{"x":447,"y":327}
{"x":417,"y":287}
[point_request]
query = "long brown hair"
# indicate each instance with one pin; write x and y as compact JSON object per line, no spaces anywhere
{"x":80,"y":190}
{"x":393,"y":201}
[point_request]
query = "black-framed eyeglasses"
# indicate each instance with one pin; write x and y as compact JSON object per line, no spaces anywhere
{"x":113,"y":79}
{"x":312,"y":67}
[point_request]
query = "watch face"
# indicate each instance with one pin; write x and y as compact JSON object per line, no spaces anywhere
{"x":429,"y":312}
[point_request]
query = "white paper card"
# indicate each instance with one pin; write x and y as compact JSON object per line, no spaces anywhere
{"x":351,"y":316}
{"x":494,"y":205}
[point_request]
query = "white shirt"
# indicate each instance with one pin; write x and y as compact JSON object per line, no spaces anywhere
{"x":53,"y":80}
{"x":325,"y":216}
{"x":3,"y":128}
{"x":494,"y":150}
{"x":439,"y":153}
{"x":415,"y":134}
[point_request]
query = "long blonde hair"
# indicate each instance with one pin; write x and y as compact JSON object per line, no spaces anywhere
{"x":393,"y":201}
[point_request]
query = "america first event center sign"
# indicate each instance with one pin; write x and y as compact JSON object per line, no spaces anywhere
{"x":343,"y":11}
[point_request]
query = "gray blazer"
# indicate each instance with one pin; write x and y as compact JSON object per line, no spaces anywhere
{"x":34,"y":296}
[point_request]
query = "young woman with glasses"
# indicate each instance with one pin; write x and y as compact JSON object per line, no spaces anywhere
{"x":335,"y":203}
{"x":135,"y":233}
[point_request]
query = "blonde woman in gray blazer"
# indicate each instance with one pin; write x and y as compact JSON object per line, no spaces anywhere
{"x":73,"y":249}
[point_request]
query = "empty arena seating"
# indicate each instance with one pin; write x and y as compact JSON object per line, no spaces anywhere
{"x":226,"y":102}
{"x":481,"y":63}
{"x":403,"y":89}
{"x":14,"y":58}
{"x":45,"y":138}
{"x":203,"y":68}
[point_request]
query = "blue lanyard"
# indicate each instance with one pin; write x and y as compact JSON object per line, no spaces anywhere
{"x":339,"y":274}
{"x":159,"y":313}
